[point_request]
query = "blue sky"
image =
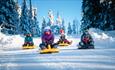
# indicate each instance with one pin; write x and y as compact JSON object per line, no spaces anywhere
{"x":68,"y":9}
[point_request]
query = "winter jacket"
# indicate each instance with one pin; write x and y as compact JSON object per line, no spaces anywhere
{"x":86,"y":38}
{"x":62,"y":37}
{"x":49,"y":39}
{"x":28,"y":39}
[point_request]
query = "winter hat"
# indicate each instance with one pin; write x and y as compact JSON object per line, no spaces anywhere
{"x":47,"y":29}
{"x":28,"y":34}
{"x":62,"y":31}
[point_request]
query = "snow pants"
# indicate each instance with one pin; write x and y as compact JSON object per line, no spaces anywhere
{"x":44,"y":45}
{"x":28,"y":43}
{"x":86,"y":46}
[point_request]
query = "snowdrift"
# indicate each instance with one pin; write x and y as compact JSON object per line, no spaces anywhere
{"x":13,"y":42}
{"x":10,"y":42}
{"x":103,"y":39}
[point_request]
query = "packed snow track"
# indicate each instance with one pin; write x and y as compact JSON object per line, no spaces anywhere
{"x":67,"y":59}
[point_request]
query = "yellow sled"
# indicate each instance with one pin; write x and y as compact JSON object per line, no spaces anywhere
{"x":29,"y":47}
{"x":63,"y":44}
{"x":49,"y":50}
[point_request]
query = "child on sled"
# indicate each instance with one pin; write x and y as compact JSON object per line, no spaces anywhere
{"x":63,"y":38}
{"x":47,"y":39}
{"x":28,"y":40}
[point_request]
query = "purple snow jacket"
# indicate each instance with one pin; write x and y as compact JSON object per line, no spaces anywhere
{"x":49,"y":39}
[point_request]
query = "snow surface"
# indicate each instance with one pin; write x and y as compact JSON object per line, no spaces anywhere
{"x":12,"y":57}
{"x":103,"y":39}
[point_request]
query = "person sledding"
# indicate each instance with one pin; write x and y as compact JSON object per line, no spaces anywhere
{"x":86,"y":41}
{"x":48,"y":45}
{"x":63,"y":39}
{"x":47,"y":39}
{"x":28,"y":40}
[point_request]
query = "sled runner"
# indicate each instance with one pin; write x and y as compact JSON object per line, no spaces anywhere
{"x":49,"y":50}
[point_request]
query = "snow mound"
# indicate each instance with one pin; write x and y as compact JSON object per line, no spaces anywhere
{"x":9,"y":42}
{"x":105,"y":39}
{"x":14,"y":42}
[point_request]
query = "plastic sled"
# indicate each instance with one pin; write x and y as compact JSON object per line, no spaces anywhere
{"x":64,"y":44}
{"x":29,"y":47}
{"x":49,"y":50}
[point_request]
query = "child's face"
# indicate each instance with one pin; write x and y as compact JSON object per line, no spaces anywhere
{"x":47,"y":33}
{"x":28,"y":35}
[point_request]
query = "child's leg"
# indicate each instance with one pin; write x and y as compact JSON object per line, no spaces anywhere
{"x":31,"y":44}
{"x":25,"y":44}
{"x":42,"y":46}
{"x":66,"y":41}
{"x":54,"y":45}
{"x":82,"y":45}
{"x":60,"y":41}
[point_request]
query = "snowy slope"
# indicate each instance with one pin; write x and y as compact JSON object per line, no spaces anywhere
{"x":69,"y":58}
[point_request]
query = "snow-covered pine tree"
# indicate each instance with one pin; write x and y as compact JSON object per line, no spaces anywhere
{"x":85,"y":10}
{"x":69,"y":32}
{"x":51,"y":18}
{"x":9,"y":17}
{"x":48,"y":23}
{"x":107,"y":13}
{"x":111,"y":11}
{"x":31,"y":20}
{"x":33,"y":23}
{"x":63,"y":25}
{"x":90,"y":18}
{"x":104,"y":23}
{"x":24,"y":19}
{"x":44,"y":24}
{"x":74,"y":28}
{"x":36,"y":28}
{"x":17,"y":5}
{"x":56,"y":28}
{"x":98,"y":14}
{"x":58,"y":20}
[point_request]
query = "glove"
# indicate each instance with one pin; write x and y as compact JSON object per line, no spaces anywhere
{"x":50,"y":42}
{"x":44,"y":43}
